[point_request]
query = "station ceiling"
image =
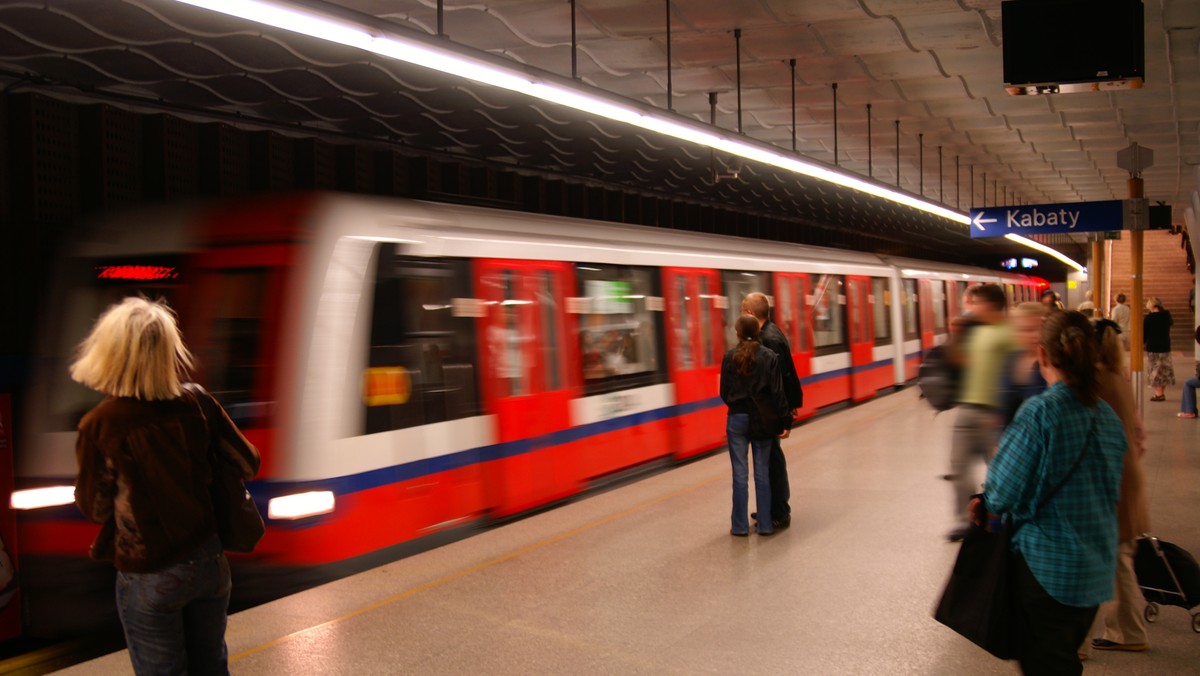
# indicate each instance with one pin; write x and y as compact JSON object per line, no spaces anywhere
{"x":932,"y":66}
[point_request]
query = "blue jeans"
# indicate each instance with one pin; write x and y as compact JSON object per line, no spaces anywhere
{"x":1188,"y":404}
{"x":174,"y":618}
{"x":737,"y":426}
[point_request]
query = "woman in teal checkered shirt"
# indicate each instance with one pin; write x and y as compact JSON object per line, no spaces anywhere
{"x":1056,"y":477}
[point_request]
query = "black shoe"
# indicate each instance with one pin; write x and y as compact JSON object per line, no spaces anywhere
{"x":736,"y":534}
{"x":780,"y":524}
{"x":957,"y":534}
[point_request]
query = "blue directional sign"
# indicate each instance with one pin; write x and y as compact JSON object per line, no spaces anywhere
{"x":1037,"y":219}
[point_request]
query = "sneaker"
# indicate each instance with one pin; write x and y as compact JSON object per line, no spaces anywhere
{"x":1105,"y":644}
{"x":1185,"y":415}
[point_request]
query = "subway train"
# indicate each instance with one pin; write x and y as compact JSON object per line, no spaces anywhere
{"x":410,"y":370}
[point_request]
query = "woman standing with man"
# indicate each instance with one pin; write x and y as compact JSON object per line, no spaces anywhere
{"x":752,"y":388}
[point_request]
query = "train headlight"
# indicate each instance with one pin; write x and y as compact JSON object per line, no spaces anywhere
{"x":300,"y":505}
{"x":37,"y":498}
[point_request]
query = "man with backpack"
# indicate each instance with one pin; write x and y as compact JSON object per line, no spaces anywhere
{"x":977,"y":428}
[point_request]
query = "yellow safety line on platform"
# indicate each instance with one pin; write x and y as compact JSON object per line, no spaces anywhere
{"x":537,"y":545}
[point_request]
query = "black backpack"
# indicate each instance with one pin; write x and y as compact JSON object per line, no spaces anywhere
{"x":938,"y":378}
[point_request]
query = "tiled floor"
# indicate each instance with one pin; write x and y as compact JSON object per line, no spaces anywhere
{"x":645,"y":579}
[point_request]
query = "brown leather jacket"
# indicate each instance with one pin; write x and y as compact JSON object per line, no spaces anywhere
{"x":144,"y":473}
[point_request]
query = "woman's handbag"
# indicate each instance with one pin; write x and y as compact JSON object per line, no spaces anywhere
{"x":239,"y":523}
{"x":978,"y":601}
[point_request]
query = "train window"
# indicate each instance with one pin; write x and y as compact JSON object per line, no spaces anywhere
{"x":954,"y":298}
{"x":618,"y":331}
{"x":798,"y":314}
{"x":706,"y":326}
{"x":683,"y":334}
{"x":939,"y":306}
{"x":911,"y":299}
{"x":92,"y":286}
{"x":231,"y":358}
{"x":784,"y":314}
{"x":549,"y":345}
{"x":737,"y":286}
{"x":422,"y":363}
{"x":829,"y":307}
{"x":883,"y":310}
{"x":857,"y":319}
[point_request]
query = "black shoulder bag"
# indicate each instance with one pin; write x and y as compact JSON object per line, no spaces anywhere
{"x":979,"y":601}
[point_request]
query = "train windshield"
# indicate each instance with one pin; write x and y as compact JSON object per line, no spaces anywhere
{"x":93,"y":286}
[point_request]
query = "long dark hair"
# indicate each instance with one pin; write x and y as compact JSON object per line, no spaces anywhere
{"x":747,"y":333}
{"x":1070,"y":344}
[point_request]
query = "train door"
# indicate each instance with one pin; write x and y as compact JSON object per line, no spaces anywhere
{"x":694,"y":351}
{"x":862,"y":337}
{"x":793,"y":314}
{"x":526,"y":385}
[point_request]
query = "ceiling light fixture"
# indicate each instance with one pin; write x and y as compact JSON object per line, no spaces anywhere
{"x":437,"y":55}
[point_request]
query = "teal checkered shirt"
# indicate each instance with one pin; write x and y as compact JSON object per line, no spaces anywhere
{"x":1069,"y":543}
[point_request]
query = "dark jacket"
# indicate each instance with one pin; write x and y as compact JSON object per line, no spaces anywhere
{"x":1156,"y":331}
{"x":737,"y":390}
{"x":771,"y":337}
{"x":144,"y":473}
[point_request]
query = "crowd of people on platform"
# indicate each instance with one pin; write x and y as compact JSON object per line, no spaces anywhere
{"x":1046,"y":404}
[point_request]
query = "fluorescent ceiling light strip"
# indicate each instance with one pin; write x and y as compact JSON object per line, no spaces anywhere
{"x":1044,"y":249}
{"x":339,"y":30}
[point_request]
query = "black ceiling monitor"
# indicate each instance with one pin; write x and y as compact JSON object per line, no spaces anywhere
{"x":1099,"y":44}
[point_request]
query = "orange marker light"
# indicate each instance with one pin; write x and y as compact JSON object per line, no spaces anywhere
{"x":386,"y":386}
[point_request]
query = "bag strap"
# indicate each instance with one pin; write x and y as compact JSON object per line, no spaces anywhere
{"x":1071,"y":472}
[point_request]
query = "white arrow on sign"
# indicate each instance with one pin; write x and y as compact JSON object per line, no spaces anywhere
{"x":979,"y":220}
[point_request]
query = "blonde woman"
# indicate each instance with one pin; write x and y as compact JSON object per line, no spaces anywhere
{"x":144,"y":471}
{"x":1022,"y":377}
{"x":1119,"y":624}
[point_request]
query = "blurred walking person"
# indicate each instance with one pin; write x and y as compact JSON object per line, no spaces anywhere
{"x":1119,"y":623}
{"x":980,"y":417}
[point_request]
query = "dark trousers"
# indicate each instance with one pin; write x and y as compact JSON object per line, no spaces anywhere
{"x":1052,"y":631}
{"x":781,"y":492}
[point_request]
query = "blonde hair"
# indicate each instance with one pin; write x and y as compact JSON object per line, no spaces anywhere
{"x":1030,"y":309}
{"x":134,"y":350}
{"x":1112,"y":353}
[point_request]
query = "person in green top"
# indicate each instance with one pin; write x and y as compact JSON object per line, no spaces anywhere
{"x":980,"y":419}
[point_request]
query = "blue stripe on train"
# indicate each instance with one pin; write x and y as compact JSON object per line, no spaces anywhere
{"x":412,"y":470}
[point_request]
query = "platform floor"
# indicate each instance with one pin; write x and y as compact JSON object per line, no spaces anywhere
{"x":645,"y":578}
